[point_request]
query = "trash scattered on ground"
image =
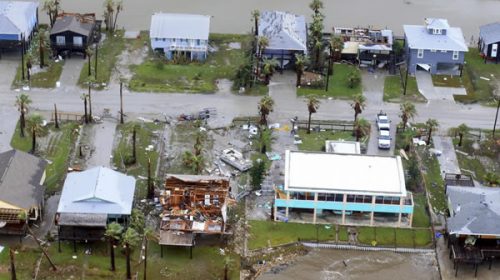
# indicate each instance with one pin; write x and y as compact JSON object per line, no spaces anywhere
{"x":235,"y":159}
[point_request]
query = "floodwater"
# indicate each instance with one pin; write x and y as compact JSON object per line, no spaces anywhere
{"x":233,"y":16}
{"x":328,"y":264}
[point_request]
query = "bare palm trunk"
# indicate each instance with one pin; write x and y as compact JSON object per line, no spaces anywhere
{"x":85,"y":110}
{"x":90,"y":104}
{"x":151,"y":190}
{"x":134,"y":135}
{"x":309,"y":124}
{"x":22,"y":121}
{"x":429,"y":136}
{"x":116,"y":18}
{"x":112,"y":254}
{"x":42,"y":55}
{"x":460,"y":135}
{"x":127,"y":254}
{"x":33,"y":140}
{"x":299,"y":77}
{"x":121,"y":103}
{"x":12,"y":265}
{"x":56,"y":118}
{"x":256,"y":22}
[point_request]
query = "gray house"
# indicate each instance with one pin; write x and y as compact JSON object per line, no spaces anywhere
{"x":287,"y":34}
{"x":435,"y":47}
{"x":489,"y":40}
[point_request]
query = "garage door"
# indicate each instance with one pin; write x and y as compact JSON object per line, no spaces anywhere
{"x":425,"y":67}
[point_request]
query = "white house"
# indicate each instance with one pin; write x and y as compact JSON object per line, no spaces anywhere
{"x":180,"y":34}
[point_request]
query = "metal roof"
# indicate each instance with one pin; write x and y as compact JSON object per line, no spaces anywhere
{"x":437,"y":23}
{"x":16,"y":16}
{"x":97,"y":190}
{"x":20,"y":177}
{"x":419,"y":38}
{"x":180,"y":26}
{"x":344,"y":173}
{"x":285,"y":31}
{"x":82,"y":219}
{"x":474,"y":210}
{"x":74,"y":23}
{"x":490,"y":33}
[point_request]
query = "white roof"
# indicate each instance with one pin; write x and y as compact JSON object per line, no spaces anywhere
{"x":437,"y":23}
{"x":98,"y":190}
{"x":285,"y":31}
{"x":16,"y":16}
{"x":182,"y":26}
{"x":419,"y":38}
{"x":342,"y":173}
{"x":342,"y":147}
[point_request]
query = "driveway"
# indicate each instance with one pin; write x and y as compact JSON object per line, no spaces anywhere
{"x":372,"y":147}
{"x":448,"y":159}
{"x":71,"y":71}
{"x":431,"y":92}
{"x":373,"y":87}
{"x":103,"y":135}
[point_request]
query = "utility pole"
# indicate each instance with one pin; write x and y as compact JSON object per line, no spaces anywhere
{"x":90,"y":102}
{"x":22,"y":55}
{"x":95,"y":70}
{"x":121,"y":103}
{"x":406,"y":78}
{"x":496,"y":116}
{"x":328,"y":70}
{"x":56,"y":119}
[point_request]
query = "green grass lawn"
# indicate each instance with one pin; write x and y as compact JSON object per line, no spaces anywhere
{"x":478,"y":90}
{"x":60,"y":145}
{"x":146,"y":134}
{"x":420,"y":217}
{"x":399,"y":237}
{"x":447,"y":81}
{"x":315,"y":141}
{"x":338,"y":86}
{"x":43,"y":79}
{"x":433,"y":181}
{"x":107,"y":56}
{"x":393,"y":90}
{"x":156,"y":75}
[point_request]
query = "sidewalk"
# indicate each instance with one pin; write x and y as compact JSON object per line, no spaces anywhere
{"x":448,"y":159}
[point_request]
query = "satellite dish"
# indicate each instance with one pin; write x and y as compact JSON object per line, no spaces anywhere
{"x":2,"y":224}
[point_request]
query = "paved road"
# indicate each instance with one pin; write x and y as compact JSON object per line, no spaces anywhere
{"x":228,"y":105}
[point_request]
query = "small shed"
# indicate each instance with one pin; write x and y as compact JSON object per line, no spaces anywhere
{"x":489,"y":41}
{"x":18,"y":20}
{"x":90,"y":200}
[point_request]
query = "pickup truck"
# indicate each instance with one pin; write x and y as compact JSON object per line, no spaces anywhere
{"x":383,"y":122}
{"x":384,"y":139}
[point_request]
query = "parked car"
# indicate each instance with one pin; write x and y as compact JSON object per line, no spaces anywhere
{"x":384,"y":139}
{"x":383,"y":122}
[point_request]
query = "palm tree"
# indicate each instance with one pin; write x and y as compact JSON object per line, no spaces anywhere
{"x":336,"y":45}
{"x":51,"y":7}
{"x":408,"y":111}
{"x":268,"y":69}
{"x":22,"y":102}
{"x":195,"y":162}
{"x":361,"y":128}
{"x":35,"y":124}
{"x":300,"y":63}
{"x":353,"y":78}
{"x":262,"y":44}
{"x":431,"y":124}
{"x":119,"y":8}
{"x":84,"y":97}
{"x":318,"y":47}
{"x":265,"y":106}
{"x":358,"y":105}
{"x":312,"y":107}
{"x":113,"y":234}
{"x":130,"y":239}
{"x":461,"y":130}
{"x":316,"y":6}
{"x":256,"y":16}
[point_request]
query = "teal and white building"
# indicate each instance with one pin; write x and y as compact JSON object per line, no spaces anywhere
{"x":347,"y":189}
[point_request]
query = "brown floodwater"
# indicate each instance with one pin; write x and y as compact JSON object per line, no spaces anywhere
{"x":329,"y":264}
{"x":233,"y":16}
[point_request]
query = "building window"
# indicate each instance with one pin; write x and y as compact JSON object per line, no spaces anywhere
{"x":60,"y":40}
{"x":198,"y":42}
{"x":436,"y":31}
{"x":432,"y":50}
{"x":443,"y":51}
{"x":455,"y":55}
{"x":420,"y":53}
{"x":78,"y":41}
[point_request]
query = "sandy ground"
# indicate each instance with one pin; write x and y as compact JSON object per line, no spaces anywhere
{"x":334,"y":264}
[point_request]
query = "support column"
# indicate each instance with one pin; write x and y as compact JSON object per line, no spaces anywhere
{"x":372,"y":215}
{"x":287,"y":200}
{"x":401,"y":201}
{"x":344,"y":202}
{"x":314,"y":210}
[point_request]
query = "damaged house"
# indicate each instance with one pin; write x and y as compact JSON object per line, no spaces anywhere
{"x":192,"y":205}
{"x":367,"y":46}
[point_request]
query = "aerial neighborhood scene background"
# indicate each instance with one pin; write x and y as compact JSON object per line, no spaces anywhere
{"x":249,"y":139}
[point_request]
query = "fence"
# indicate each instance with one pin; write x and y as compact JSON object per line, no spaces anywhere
{"x":67,"y":116}
{"x":330,"y":125}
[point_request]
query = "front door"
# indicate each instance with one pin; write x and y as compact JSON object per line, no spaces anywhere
{"x":494,"y":50}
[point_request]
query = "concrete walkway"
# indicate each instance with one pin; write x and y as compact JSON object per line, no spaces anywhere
{"x":431,"y":92}
{"x":71,"y":71}
{"x":373,"y":87}
{"x":448,"y":159}
{"x":103,"y":135}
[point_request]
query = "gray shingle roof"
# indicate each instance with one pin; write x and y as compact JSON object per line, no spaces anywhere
{"x":475,"y":210}
{"x":16,"y":16}
{"x":72,"y":23}
{"x":285,"y":31}
{"x":490,"y":33}
{"x":419,"y":38}
{"x":20,"y":176}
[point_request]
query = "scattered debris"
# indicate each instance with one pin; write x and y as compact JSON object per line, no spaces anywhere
{"x":235,"y":159}
{"x":484,"y":78}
